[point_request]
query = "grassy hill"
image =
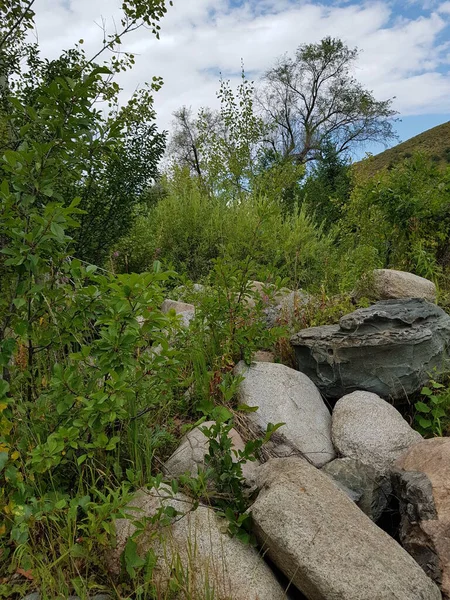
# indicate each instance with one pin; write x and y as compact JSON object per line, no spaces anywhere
{"x":434,"y":142}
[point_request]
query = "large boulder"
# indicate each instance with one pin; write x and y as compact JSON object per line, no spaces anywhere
{"x":388,"y":348}
{"x":194,"y":544}
{"x":422,"y":483}
{"x":386,"y":284}
{"x":189,"y":457}
{"x":367,"y":428}
{"x":325,"y":545}
{"x":284,"y":395}
{"x":362,"y":483}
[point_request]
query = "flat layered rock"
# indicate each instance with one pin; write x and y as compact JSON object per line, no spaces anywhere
{"x":388,"y":349}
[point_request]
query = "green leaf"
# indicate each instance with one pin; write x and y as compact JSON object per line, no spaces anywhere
{"x":426,"y":391}
{"x":425,"y":423}
{"x":221,"y":414}
{"x":247,"y":409}
{"x":132,"y":560}
{"x":422,"y":407}
{"x":57,"y":230}
{"x":3,"y":460}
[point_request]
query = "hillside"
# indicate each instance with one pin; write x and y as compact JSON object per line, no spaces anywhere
{"x":434,"y":142}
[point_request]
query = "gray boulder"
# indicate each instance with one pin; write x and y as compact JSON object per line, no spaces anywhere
{"x":362,"y":483}
{"x":385,"y":284}
{"x":284,"y":395}
{"x":325,"y":545}
{"x":388,"y":348}
{"x":190,"y":455}
{"x":371,"y":430}
{"x":194,"y":542}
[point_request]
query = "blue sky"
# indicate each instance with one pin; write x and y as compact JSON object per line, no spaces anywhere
{"x":404,"y":47}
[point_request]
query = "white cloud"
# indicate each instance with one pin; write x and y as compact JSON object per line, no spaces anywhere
{"x":400,"y":57}
{"x":444,"y":8}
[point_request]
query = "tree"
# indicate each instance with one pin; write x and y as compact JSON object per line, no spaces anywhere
{"x":327,"y":187}
{"x":189,"y":136}
{"x":226,"y":149}
{"x":221,"y":147}
{"x":119,"y":150}
{"x":313,"y":99}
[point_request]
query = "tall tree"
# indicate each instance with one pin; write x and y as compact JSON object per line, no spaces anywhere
{"x":313,"y":99}
{"x":226,"y":148}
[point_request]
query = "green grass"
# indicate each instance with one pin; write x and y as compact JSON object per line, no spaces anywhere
{"x":434,"y":143}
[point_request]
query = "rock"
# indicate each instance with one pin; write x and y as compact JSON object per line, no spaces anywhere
{"x":288,"y":309}
{"x":267,"y":292}
{"x":388,"y":349}
{"x":190,"y":455}
{"x":186,"y":311}
{"x":328,"y":547}
{"x":284,"y":395}
{"x":422,"y":483}
{"x":264,"y":356}
{"x":369,"y":429}
{"x":362,"y":483}
{"x":198,"y":541}
{"x":387,"y":284}
{"x":178,"y":307}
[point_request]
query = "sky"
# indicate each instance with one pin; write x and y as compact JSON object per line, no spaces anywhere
{"x":404,"y":47}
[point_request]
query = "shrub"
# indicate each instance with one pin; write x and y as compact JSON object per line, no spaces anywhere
{"x":188,"y":229}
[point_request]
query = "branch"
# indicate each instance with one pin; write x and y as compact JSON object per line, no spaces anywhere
{"x":16,"y":24}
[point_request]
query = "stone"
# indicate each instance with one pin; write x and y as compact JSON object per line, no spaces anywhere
{"x":284,"y":395}
{"x":388,"y":349}
{"x":264,"y":356}
{"x":186,"y":311}
{"x":387,"y":284}
{"x":196,"y":538}
{"x":190,"y":455}
{"x":288,"y":309}
{"x":422,"y":484}
{"x":362,"y":483}
{"x":325,"y":545}
{"x":369,"y":429}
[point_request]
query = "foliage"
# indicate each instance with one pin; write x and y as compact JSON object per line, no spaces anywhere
{"x":188,"y":229}
{"x":402,"y":219}
{"x":226,"y":149}
{"x":313,"y":99}
{"x":223,"y":472}
{"x":114,"y":157}
{"x":327,"y":187}
{"x":433,"y":411}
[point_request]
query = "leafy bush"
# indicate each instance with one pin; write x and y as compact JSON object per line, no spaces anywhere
{"x":188,"y":229}
{"x":402,"y":219}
